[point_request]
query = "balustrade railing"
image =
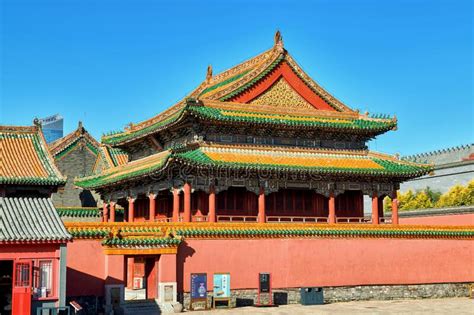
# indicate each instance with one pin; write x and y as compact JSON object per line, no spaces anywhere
{"x":236,"y":218}
{"x":199,"y":218}
{"x":279,"y":219}
{"x":353,"y":219}
{"x":296,"y":219}
{"x":386,"y":220}
{"x":163,"y":220}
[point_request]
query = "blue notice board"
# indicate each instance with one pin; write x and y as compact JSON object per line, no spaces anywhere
{"x":198,"y":286}
{"x":221,"y":285}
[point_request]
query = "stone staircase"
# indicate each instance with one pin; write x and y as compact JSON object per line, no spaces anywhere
{"x":141,"y":307}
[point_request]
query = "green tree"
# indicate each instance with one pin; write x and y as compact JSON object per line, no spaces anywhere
{"x":433,"y":195}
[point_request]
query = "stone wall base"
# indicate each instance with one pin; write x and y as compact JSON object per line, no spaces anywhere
{"x":248,"y":297}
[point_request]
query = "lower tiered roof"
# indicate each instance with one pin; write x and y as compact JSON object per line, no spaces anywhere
{"x":254,"y":157}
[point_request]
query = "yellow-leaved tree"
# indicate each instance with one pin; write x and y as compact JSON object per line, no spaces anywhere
{"x":457,"y":196}
{"x":425,"y":199}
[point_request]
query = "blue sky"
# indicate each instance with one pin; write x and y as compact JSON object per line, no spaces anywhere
{"x":109,"y":63}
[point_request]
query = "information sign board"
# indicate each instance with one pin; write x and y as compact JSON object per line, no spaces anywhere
{"x":199,"y":286}
{"x":222,"y":285}
{"x":264,"y":279}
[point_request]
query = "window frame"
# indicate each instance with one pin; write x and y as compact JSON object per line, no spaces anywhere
{"x":53,"y":278}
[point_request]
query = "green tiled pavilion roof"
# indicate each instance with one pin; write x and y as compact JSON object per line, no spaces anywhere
{"x":269,"y":158}
{"x":228,"y":85}
{"x":134,"y":169}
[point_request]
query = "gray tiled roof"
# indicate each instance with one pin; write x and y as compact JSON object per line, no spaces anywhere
{"x":30,"y":219}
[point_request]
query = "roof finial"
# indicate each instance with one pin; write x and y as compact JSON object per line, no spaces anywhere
{"x":129,"y":126}
{"x":209,"y":74}
{"x":79,"y":125}
{"x":37,"y":122}
{"x":278,"y":40}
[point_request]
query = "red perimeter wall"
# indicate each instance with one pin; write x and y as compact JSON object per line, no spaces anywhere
{"x":89,"y":269}
{"x":449,"y":219}
{"x":292,"y":262}
{"x":329,"y":262}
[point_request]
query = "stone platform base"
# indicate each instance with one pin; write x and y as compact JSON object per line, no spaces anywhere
{"x":344,"y":294}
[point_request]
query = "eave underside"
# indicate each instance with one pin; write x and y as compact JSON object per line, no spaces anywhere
{"x":231,"y":115}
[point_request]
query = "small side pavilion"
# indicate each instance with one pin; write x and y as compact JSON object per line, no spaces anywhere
{"x":32,"y":236}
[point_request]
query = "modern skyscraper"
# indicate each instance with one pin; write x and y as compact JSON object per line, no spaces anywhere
{"x":52,"y":127}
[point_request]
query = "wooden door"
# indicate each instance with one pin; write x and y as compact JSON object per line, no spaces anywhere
{"x":22,"y":283}
{"x":151,"y":278}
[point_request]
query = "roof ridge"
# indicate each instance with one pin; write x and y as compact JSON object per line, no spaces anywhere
{"x":203,"y":85}
{"x":212,"y":144}
{"x":49,"y":156}
{"x":231,"y":71}
{"x":318,"y":87}
{"x":129,"y":164}
{"x":244,"y":76}
{"x":248,"y":72}
{"x":396,"y":158}
{"x":16,"y":128}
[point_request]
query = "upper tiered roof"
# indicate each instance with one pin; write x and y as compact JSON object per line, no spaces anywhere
{"x":66,"y":144}
{"x":270,"y":89}
{"x":25,"y":158}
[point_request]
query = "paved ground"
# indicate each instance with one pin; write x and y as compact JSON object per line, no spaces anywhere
{"x":452,"y":306}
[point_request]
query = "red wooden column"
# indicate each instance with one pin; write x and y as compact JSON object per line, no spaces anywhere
{"x":187,"y":202}
{"x":130,"y":272}
{"x":112,"y":211}
{"x":394,"y":208}
{"x":152,"y":212}
{"x":332,"y":208}
{"x":261,"y":205}
{"x":105,"y":212}
{"x":131,"y":209}
{"x":211,"y":214}
{"x":375,"y":208}
{"x":175,"y":205}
